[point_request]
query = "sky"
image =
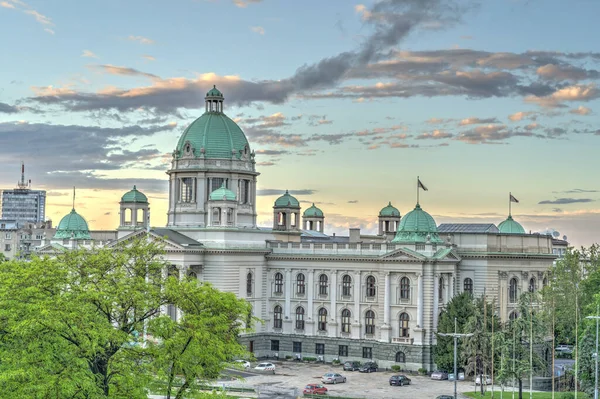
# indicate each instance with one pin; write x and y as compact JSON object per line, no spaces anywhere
{"x":345,"y":104}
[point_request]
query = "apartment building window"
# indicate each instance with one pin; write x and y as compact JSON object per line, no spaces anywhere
{"x":404,"y":288}
{"x":249,"y":284}
{"x":187,"y":189}
{"x":441,"y":289}
{"x":277,"y":321}
{"x":275,"y":345}
{"x":323,"y":283}
{"x":320,"y":349}
{"x":299,"y":318}
{"x":404,"y":319}
{"x":6,"y":247}
{"x":512,"y":290}
{"x":300,"y":284}
{"x":343,"y":350}
{"x":346,"y":285}
{"x":8,"y":236}
{"x":346,"y":315}
{"x":278,"y":283}
{"x":371,"y":290}
{"x":367,"y":353}
{"x":370,"y":322}
{"x":297,"y":347}
{"x":322,"y":325}
{"x":468,"y":285}
{"x":532,"y":284}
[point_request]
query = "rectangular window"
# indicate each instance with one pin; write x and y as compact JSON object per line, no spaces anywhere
{"x":244,"y":187}
{"x":216,"y":182}
{"x":8,"y":236}
{"x":367,"y":353}
{"x":320,"y":349}
{"x":343,"y":350}
{"x":7,"y":247}
{"x":297,"y":347}
{"x":275,"y":345}
{"x":420,"y":247}
{"x":187,"y":189}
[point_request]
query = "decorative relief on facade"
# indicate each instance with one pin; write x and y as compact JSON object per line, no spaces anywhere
{"x":503,"y":275}
{"x":524,"y":274}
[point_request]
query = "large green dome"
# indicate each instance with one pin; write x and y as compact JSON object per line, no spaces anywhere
{"x":417,"y":226}
{"x":73,"y":225}
{"x":510,"y":226}
{"x":389,"y":211}
{"x":214,"y":134}
{"x":134,"y":196}
{"x":312,"y":212}
{"x":287,"y":201}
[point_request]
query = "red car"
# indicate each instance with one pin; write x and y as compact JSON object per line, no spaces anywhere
{"x":315,"y":389}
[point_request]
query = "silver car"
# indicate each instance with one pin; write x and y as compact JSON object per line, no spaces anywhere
{"x":332,"y":378}
{"x":439,"y":375}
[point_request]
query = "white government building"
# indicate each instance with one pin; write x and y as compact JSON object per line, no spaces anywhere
{"x":356,"y":297}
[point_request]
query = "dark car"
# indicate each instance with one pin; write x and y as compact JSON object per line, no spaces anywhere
{"x":351,"y":366}
{"x":399,"y":380}
{"x":444,"y":397}
{"x":368,"y":367}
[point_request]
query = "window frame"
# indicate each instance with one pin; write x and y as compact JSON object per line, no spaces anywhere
{"x":371,"y":286}
{"x":367,"y":352}
{"x":300,"y":312}
{"x":468,"y":285}
{"x":370,"y":322}
{"x":404,"y":288}
{"x":322,"y":319}
{"x":404,"y":327}
{"x":346,"y":321}
{"x":300,"y":284}
{"x":323,"y":284}
{"x":346,"y":285}
{"x":277,"y":317}
{"x":319,"y":348}
{"x":278,"y":283}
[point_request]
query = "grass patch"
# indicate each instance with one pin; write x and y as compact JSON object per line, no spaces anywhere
{"x":536,"y":395}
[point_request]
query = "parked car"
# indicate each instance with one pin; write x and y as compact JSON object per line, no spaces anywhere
{"x":351,"y":366}
{"x":439,"y":375}
{"x":399,"y":380}
{"x":444,"y":397}
{"x":243,"y":363}
{"x":487,"y":380}
{"x":332,"y":378}
{"x":564,"y":348}
{"x":265,"y":367}
{"x":315,"y":389}
{"x":368,"y":367}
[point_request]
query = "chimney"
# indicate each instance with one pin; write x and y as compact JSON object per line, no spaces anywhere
{"x":354,"y":235}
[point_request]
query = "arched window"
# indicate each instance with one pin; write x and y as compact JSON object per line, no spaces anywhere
{"x":323,"y":284}
{"x":513,"y":315}
{"x":277,"y":320}
{"x":404,"y":319}
{"x":468,"y":285}
{"x":346,"y":315}
{"x":404,"y":288}
{"x":300,"y":286}
{"x":441,"y":290}
{"x":346,"y":285}
{"x":545,"y":282}
{"x":216,"y":216}
{"x":249,"y":285}
{"x":370,"y":322}
{"x":192,"y":275}
{"x":322,"y":324}
{"x":531,"y":284}
{"x":299,"y":318}
{"x":278,"y":283}
{"x":400,"y":357}
{"x":371,"y":291}
{"x":512,"y":290}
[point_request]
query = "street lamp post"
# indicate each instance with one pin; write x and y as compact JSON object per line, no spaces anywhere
{"x":596,"y":354}
{"x":456,"y":336}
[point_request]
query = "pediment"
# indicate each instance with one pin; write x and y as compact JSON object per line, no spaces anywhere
{"x":404,"y":254}
{"x":168,"y":244}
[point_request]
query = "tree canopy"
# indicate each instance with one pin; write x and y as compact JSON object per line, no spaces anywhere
{"x":74,"y":326}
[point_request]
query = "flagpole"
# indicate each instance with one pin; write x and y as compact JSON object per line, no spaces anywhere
{"x":417,"y":190}
{"x":509,"y":204}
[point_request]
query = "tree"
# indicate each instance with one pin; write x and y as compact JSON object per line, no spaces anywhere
{"x":460,"y":307}
{"x":70,"y":325}
{"x":2,"y":258}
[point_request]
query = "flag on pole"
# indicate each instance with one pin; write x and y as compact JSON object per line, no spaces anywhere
{"x":513,"y":199}
{"x":421,"y":185}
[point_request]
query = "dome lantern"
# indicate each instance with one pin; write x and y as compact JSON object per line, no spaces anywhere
{"x":313,"y":218}
{"x":389,"y":219}
{"x":286,"y":213}
{"x":214,"y":100}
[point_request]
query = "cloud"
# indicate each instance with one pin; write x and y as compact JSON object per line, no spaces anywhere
{"x":565,"y":201}
{"x":140,"y":39}
{"x":265,"y":192}
{"x":245,"y":3}
{"x":258,"y":29}
{"x":268,"y":163}
{"x":123,"y":71}
{"x":8,"y":109}
{"x":42,"y":19}
{"x":148,"y":57}
{"x":585,"y":92}
{"x":89,"y":54}
{"x":317,"y":120}
{"x":439,"y":121}
{"x":27,"y":9}
{"x":518,"y":116}
{"x":271,"y":152}
{"x":581,"y":110}
{"x":353,"y":202}
{"x":576,"y":191}
{"x":566,"y":72}
{"x":475,"y":121}
{"x":435,"y":135}
{"x":6,"y":4}
{"x":557,"y":210}
{"x":492,"y":134}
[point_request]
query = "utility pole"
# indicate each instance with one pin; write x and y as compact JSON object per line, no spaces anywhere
{"x":456,"y":336}
{"x":597,"y":317}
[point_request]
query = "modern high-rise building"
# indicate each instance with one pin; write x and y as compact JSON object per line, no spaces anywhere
{"x":23,"y":204}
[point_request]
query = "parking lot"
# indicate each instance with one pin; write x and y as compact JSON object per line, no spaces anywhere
{"x":290,"y":374}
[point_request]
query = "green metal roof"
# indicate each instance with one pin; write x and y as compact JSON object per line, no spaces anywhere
{"x":214,"y":92}
{"x":417,"y":226}
{"x":215,"y":135}
{"x":287,"y":201}
{"x":312,"y":212}
{"x":134,"y":196}
{"x":510,"y":226}
{"x":390,"y":210}
{"x":73,"y":225}
{"x":222,"y":194}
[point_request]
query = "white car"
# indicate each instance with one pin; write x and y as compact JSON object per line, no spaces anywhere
{"x":332,"y":378}
{"x":244,"y":363}
{"x":270,"y":367}
{"x":487,"y":380}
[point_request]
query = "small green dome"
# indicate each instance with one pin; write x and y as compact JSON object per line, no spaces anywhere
{"x":222,"y":194}
{"x":417,"y":226}
{"x":287,"y":201}
{"x":313,"y":212}
{"x":389,"y":210}
{"x":214,"y":92}
{"x":510,"y":226}
{"x":134,"y":196}
{"x":73,"y":225}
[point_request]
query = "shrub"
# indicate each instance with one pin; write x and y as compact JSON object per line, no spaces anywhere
{"x":396,"y":368}
{"x":288,"y":357}
{"x":567,"y":395}
{"x":422,"y":371}
{"x":309,"y":359}
{"x":335,"y":361}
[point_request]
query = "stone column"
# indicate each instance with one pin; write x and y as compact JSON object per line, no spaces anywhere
{"x":451,"y":286}
{"x":123,"y":210}
{"x":436,"y":296}
{"x":356,"y":314}
{"x":332,"y":329}
{"x":420,"y":300}
{"x":309,"y":322}
{"x":287,"y":320}
{"x":503,"y":296}
{"x":386,"y":329}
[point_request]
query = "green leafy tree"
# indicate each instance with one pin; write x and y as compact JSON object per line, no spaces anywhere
{"x":460,"y":307}
{"x":70,"y":326}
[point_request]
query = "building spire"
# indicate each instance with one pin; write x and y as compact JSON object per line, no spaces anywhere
{"x":73,"y":197}
{"x":22,"y":184}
